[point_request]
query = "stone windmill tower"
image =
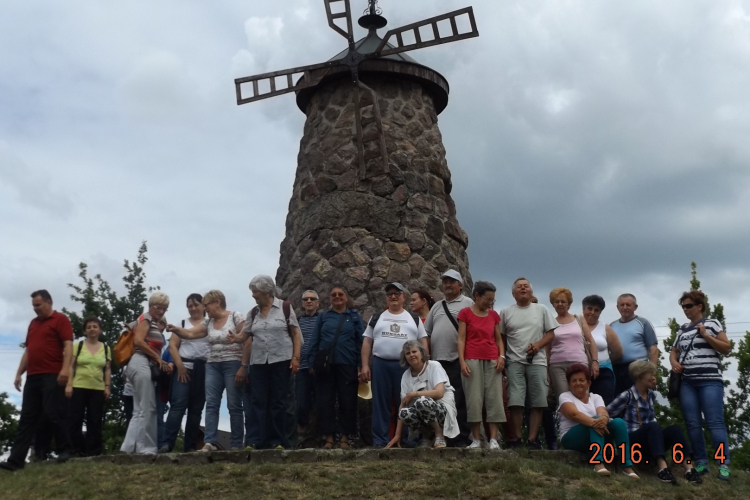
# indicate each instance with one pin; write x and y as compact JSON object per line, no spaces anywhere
{"x":371,"y":200}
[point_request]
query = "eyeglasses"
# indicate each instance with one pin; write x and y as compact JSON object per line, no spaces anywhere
{"x":491,"y":301}
{"x":392,"y":294}
{"x":308,"y":299}
{"x":688,"y":306}
{"x":333,"y":295}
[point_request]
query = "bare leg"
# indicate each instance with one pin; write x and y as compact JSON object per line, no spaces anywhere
{"x":493,"y":431}
{"x":437,"y":429}
{"x":535,"y":420}
{"x":516,"y":413}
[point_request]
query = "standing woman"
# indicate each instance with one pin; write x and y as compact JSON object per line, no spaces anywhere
{"x":421,"y":303}
{"x":567,"y":347}
{"x":274,"y":342}
{"x":482,"y":355}
{"x":224,"y":369}
{"x":696,"y":356}
{"x":88,"y":388}
{"x":148,"y":341}
{"x":339,"y":381}
{"x":608,"y":345}
{"x":188,"y":392}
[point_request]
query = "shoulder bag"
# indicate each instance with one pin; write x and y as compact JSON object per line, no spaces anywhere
{"x":674,"y":382}
{"x":324,"y":358}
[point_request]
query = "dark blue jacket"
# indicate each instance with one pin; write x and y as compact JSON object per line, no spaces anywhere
{"x":349,"y":345}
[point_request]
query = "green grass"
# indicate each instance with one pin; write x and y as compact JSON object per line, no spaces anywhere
{"x":483,"y":478}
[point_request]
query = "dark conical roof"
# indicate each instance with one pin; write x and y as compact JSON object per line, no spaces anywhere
{"x":368,"y":45}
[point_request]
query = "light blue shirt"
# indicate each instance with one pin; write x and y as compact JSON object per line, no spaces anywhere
{"x":636,"y":337}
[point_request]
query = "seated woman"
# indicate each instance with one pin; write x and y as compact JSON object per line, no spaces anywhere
{"x":584,"y":420}
{"x":427,"y":403}
{"x":636,"y":405}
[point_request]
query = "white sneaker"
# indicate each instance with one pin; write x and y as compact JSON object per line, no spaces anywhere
{"x":494,"y":444}
{"x":475,"y":443}
{"x":208,"y":447}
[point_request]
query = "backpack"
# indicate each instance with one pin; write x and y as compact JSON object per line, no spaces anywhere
{"x":124,"y":347}
{"x":107,"y":357}
{"x":376,"y":317}
{"x":286,"y":306}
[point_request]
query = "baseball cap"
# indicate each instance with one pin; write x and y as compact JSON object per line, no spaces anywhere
{"x":453,"y":274}
{"x":396,"y":284}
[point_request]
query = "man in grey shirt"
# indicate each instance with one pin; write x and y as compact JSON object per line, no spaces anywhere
{"x":442,"y":329}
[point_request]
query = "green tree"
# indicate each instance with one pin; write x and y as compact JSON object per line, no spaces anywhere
{"x":737,"y":407}
{"x":8,"y":422}
{"x":97,"y":298}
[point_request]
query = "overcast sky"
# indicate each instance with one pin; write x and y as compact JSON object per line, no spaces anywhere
{"x":601,"y":146}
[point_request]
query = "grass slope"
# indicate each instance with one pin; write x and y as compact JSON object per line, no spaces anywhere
{"x":485,"y":478}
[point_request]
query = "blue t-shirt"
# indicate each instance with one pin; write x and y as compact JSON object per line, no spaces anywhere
{"x":636,"y":337}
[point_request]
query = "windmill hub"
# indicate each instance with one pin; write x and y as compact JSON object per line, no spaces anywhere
{"x":372,"y":21}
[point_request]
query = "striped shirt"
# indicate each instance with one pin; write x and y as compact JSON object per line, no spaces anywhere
{"x":701,"y":361}
{"x":306,"y":327}
{"x":633,"y":409}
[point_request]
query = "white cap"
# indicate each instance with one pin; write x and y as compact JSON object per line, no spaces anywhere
{"x":453,"y":274}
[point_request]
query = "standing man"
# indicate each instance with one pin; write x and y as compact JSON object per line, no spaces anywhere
{"x":638,"y":340}
{"x":528,"y":328}
{"x":441,"y":326}
{"x":307,"y":321}
{"x":47,"y":361}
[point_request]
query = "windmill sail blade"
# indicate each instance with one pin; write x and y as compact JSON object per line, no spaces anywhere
{"x":346,"y":14}
{"x":370,"y":136}
{"x":269,"y":81}
{"x":455,"y":36}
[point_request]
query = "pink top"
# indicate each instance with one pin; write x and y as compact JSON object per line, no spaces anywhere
{"x":480,"y":334}
{"x":568,"y":344}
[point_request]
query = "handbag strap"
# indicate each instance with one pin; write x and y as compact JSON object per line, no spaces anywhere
{"x":684,"y":354}
{"x":450,"y":316}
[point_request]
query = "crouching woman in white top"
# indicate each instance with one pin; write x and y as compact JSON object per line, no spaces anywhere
{"x":427,"y":403}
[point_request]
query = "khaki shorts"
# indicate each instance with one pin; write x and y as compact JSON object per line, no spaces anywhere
{"x":557,"y":377}
{"x":483,"y":388}
{"x":523,"y":378}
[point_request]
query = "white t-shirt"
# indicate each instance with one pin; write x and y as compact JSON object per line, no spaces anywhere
{"x":221,"y":350}
{"x":193,"y":348}
{"x":390,"y":333}
{"x":431,"y":376}
{"x":595,"y":401}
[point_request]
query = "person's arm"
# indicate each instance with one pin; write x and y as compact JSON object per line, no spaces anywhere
{"x":64,"y":376}
{"x":720,"y":342}
{"x":241,"y":376}
{"x":437,"y":394}
{"x":69,"y":385}
{"x":366,"y":352}
{"x":618,"y":405}
{"x":107,"y":379}
{"x":649,"y":339}
{"x":396,"y":441}
{"x":196,"y":332}
{"x":613,"y":343}
{"x":21,"y":371}
{"x":545,"y":340}
{"x":571,"y":412}
{"x":653,"y":354}
{"x":423,"y":338}
{"x":674,"y":359}
{"x":500,"y":364}
{"x":297,"y":347}
{"x":465,"y":370}
{"x":174,"y":349}
{"x":358,"y":331}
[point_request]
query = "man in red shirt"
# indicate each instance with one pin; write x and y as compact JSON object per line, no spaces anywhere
{"x":46,"y":360}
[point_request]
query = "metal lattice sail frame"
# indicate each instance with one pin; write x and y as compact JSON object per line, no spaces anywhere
{"x":313,"y":74}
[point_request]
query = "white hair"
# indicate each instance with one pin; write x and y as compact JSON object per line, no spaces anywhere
{"x":312,"y":292}
{"x":158,"y":299}
{"x":264,"y":284}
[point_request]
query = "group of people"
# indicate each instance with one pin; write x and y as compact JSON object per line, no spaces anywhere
{"x":453,"y":371}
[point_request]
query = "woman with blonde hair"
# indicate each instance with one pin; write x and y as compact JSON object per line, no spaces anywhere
{"x":148,"y":341}
{"x":226,"y":368}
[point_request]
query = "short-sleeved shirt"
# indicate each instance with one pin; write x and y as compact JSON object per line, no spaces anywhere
{"x":701,"y":361}
{"x":196,"y":349}
{"x":89,"y":372}
{"x":480,"y":334}
{"x":636,"y":337}
{"x":432,"y":376}
{"x":443,"y":335}
{"x":221,"y":350}
{"x":390,"y":333}
{"x":523,"y":326}
{"x":567,"y":346}
{"x":45,"y":343}
{"x":306,"y":327}
{"x":588,"y":409}
{"x":271,"y":340}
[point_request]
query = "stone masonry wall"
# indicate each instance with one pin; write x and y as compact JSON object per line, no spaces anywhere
{"x":400,"y":226}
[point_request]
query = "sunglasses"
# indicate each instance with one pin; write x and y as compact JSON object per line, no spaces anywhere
{"x":688,"y":306}
{"x":338,"y":295}
{"x":393,"y":294}
{"x":308,"y":299}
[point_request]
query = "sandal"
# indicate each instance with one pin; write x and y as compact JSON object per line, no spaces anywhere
{"x":328,"y":445}
{"x":631,"y":475}
{"x":602,"y":472}
{"x":344,"y":445}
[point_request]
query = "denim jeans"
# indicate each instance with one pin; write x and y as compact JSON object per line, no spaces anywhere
{"x":386,"y":387}
{"x":220,"y":376}
{"x":604,"y":385}
{"x":707,"y":397}
{"x":187,"y":397}
{"x":161,"y":410}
